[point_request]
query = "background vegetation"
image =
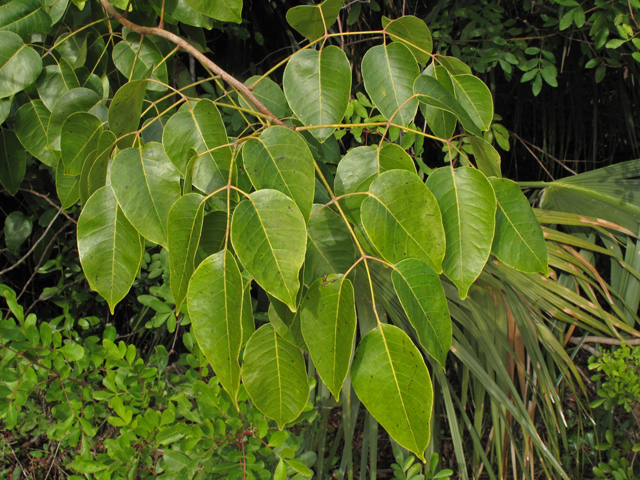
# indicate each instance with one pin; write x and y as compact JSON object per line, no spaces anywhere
{"x":91,"y":389}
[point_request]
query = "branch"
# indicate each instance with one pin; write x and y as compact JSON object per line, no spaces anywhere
{"x":604,"y":341}
{"x":182,"y":43}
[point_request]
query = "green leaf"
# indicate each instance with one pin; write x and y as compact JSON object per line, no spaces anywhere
{"x":311,"y":21}
{"x":391,"y":379}
{"x":31,"y":123}
{"x":109,"y":247}
{"x":202,"y":129}
{"x":389,"y":72}
{"x":74,"y":101}
{"x":67,"y":187}
{"x":13,"y":161}
{"x":468,"y":206}
{"x":54,"y":82}
{"x":247,"y":318}
{"x":413,"y":33}
{"x":269,"y":236}
{"x":300,"y":467}
{"x":328,"y":321}
{"x":422,"y":297}
{"x":454,"y":65}
{"x":214,"y":301}
{"x":519,"y":241}
{"x":487,"y":158}
{"x":287,"y":323}
{"x":223,"y":10}
{"x":330,"y":248}
{"x":317,"y":85}
{"x":24,"y":17}
{"x":72,"y":47}
{"x":125,"y":111}
{"x":441,"y":122}
{"x":275,"y":376}
{"x":214,"y":232}
{"x":402,"y":218}
{"x":94,"y":169}
{"x":475,"y":97}
{"x":281,"y":471}
{"x":17,"y":229}
{"x":20,"y":64}
{"x":178,"y":11}
{"x":184,"y":227}
{"x":270,"y":94}
{"x":360,"y":167}
{"x":72,"y":352}
{"x":280,"y":159}
{"x":79,"y":137}
{"x":146,"y":185}
{"x":135,"y":59}
{"x":431,"y":92}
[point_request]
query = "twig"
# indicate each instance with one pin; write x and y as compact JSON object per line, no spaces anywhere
{"x":182,"y":43}
{"x":46,"y":197}
{"x":604,"y":340}
{"x":37,"y":242}
{"x":559,"y":162}
{"x":37,"y":267}
{"x":52,"y":292}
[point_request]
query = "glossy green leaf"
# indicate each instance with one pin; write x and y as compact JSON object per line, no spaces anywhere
{"x":317,"y":85}
{"x":184,"y":228}
{"x":67,"y":187}
{"x":24,"y":17}
{"x":330,"y":247}
{"x":146,"y":185}
{"x":441,"y":122}
{"x":275,"y":376}
{"x":74,"y":101}
{"x":360,"y":167}
{"x":269,"y":236}
{"x":5,"y":108}
{"x":431,"y":92}
{"x":57,"y":8}
{"x":519,"y":241}
{"x":280,"y":159}
{"x":178,"y":11}
{"x":55,"y":81}
{"x":311,"y":21}
{"x":270,"y":94}
{"x":109,"y":247}
{"x":487,"y":157}
{"x":475,"y":97}
{"x":454,"y":65}
{"x":413,"y":33}
{"x":214,"y":301}
{"x":20,"y":64}
{"x":94,"y":169}
{"x":135,"y":59}
{"x":125,"y":111}
{"x":389,"y":72}
{"x":223,"y":10}
{"x":214,"y":231}
{"x":402,"y":219}
{"x":31,"y":123}
{"x":79,"y":137}
{"x":328,"y":321}
{"x":13,"y":161}
{"x":17,"y":228}
{"x":200,"y":128}
{"x":287,"y":323}
{"x":468,"y":206}
{"x":422,"y":297}
{"x":72,"y":48}
{"x":391,"y":379}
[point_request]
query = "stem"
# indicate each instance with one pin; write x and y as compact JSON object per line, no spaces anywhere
{"x":182,"y":43}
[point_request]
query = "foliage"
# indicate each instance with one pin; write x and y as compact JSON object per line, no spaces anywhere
{"x":117,"y":416}
{"x":621,"y":372}
{"x":204,"y":204}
